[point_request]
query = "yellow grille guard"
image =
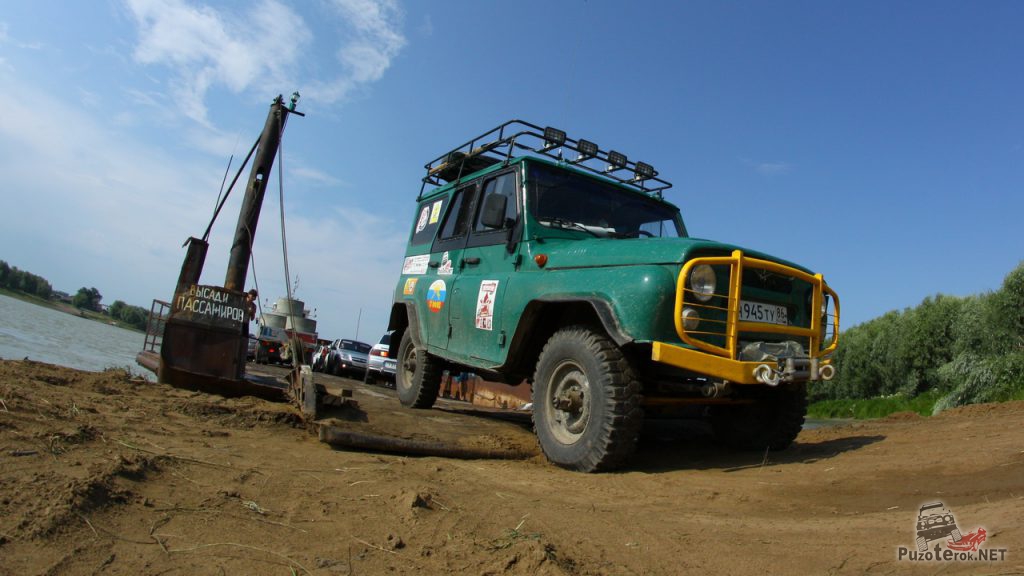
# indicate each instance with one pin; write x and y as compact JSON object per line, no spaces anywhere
{"x":720,"y":362}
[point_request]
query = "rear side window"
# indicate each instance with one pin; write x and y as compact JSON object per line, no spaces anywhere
{"x":428,"y":217}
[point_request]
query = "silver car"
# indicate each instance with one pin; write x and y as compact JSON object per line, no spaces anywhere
{"x":382,"y":363}
{"x":347,"y":357}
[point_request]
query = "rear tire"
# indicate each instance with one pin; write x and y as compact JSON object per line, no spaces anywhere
{"x":586,"y":401}
{"x":771,"y":422}
{"x":418,"y":377}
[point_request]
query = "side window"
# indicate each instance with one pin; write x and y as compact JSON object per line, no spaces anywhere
{"x":504,"y":185}
{"x":427,"y":217}
{"x":455,"y":224}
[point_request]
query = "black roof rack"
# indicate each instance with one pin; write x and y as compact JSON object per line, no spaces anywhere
{"x":501,"y":144}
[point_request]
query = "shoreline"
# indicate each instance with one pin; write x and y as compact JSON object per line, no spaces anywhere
{"x":69,"y":309}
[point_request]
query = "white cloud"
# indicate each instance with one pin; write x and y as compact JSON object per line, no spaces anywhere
{"x":769,"y":168}
{"x":105,"y":209}
{"x":207,"y":48}
{"x":110,"y":209}
{"x":774,"y":168}
{"x":267,"y":45}
{"x":426,"y":26}
{"x":315,"y":176}
{"x":5,"y":38}
{"x":368,"y":53}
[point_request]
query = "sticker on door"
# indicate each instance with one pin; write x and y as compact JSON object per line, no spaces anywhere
{"x":485,"y":304}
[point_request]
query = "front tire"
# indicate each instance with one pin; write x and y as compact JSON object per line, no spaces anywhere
{"x":772,"y":421}
{"x":418,"y":377}
{"x":586,"y":401}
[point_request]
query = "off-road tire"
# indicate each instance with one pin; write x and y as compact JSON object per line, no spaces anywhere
{"x":601,"y":433}
{"x":418,"y":375}
{"x":955,"y":535}
{"x":771,"y":422}
{"x":922,"y":544}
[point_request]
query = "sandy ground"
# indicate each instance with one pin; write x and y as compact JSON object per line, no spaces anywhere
{"x":103,"y":474}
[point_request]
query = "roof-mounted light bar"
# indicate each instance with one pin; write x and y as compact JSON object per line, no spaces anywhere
{"x":511,"y":139}
{"x":587,"y":150}
{"x":553,"y":138}
{"x":644,"y":171}
{"x":616,"y":161}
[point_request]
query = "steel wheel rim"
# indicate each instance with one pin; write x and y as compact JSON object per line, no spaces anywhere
{"x":408,"y":368}
{"x":568,"y":425}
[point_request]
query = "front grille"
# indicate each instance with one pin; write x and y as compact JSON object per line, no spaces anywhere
{"x":723,"y":327}
{"x":769,"y":281}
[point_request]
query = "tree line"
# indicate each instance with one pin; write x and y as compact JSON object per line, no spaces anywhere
{"x":967,"y":350}
{"x":90,"y":299}
{"x":21,"y":281}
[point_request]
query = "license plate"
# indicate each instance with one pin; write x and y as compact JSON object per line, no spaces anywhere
{"x":390,"y":364}
{"x":764,"y":313}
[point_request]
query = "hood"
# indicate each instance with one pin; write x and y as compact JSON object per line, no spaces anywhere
{"x":603,"y":252}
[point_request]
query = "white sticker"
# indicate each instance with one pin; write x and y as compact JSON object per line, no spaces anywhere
{"x":416,"y":264}
{"x":446,"y":266}
{"x":435,"y":211}
{"x":422,"y":222}
{"x":485,"y":304}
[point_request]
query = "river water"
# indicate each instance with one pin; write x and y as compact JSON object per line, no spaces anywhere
{"x":46,"y":335}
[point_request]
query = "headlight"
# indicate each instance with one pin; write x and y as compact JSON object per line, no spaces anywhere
{"x":691,"y":319}
{"x":702,"y":282}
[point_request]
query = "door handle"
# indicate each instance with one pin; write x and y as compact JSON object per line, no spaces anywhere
{"x":434,"y":264}
{"x":471,"y":261}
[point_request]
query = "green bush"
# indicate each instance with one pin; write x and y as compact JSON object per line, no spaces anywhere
{"x":874,"y":407}
{"x":972,"y":379}
{"x":951,"y":350}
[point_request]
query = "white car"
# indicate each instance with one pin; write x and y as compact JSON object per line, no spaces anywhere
{"x":382,"y":363}
{"x":319,"y":360}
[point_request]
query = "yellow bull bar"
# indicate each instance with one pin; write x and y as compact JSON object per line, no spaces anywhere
{"x":721,"y":361}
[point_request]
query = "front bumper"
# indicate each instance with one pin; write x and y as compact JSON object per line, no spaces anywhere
{"x":697,"y":354}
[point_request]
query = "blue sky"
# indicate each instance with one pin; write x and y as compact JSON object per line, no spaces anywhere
{"x":879,"y":143}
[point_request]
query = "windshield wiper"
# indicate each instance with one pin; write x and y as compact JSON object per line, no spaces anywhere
{"x":568,"y":225}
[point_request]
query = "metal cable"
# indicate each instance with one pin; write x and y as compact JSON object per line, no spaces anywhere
{"x":298,"y":353}
{"x":206,"y":235}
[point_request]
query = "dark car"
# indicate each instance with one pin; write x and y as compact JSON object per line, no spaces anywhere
{"x":268,"y":352}
{"x":347,"y":357}
{"x":252,"y":346}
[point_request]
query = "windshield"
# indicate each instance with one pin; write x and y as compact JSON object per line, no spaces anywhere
{"x":569,"y":200}
{"x":355,"y":346}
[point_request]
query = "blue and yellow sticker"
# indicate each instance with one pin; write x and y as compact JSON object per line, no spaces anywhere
{"x":436,"y":294}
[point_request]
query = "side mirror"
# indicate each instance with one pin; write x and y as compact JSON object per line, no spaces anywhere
{"x":493,"y":212}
